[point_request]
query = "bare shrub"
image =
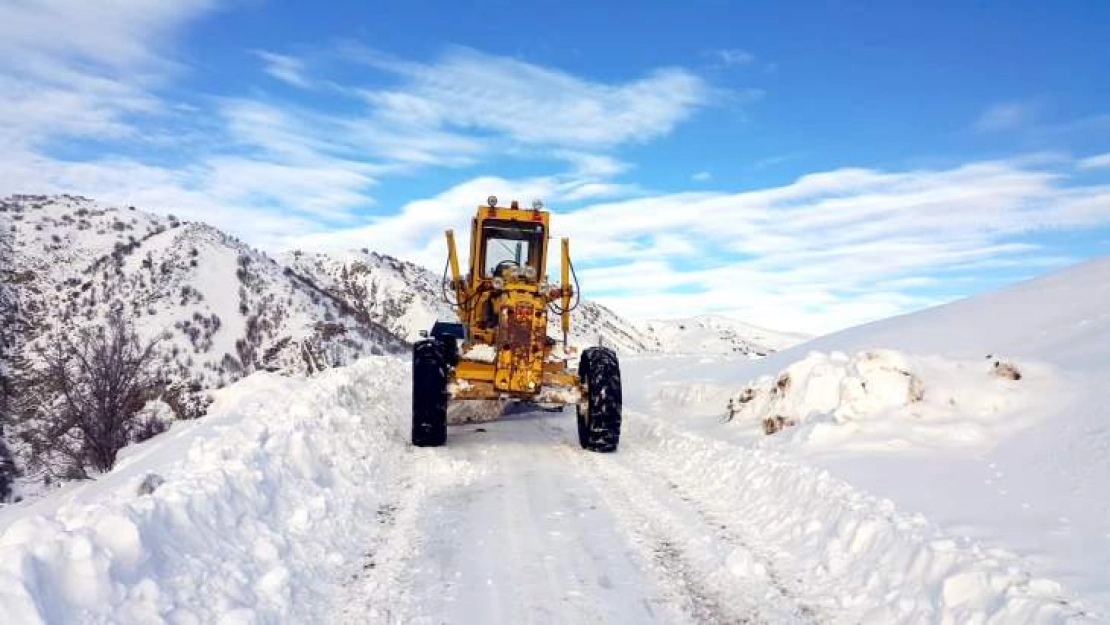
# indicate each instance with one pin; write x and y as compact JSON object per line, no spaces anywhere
{"x":82,"y":404}
{"x":777,"y":423}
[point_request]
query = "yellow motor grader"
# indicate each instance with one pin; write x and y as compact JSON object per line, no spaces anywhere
{"x":500,"y":348}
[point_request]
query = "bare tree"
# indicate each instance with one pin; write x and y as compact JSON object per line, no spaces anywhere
{"x":10,"y":327}
{"x":85,"y":397}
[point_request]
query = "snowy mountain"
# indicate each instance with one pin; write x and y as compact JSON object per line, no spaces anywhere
{"x":714,"y":334}
{"x":219,"y":309}
{"x":224,"y":308}
{"x":401,"y":296}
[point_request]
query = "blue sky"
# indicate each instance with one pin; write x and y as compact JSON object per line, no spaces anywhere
{"x":802,"y":165}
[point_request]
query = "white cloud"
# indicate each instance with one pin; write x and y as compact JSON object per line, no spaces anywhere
{"x":287,"y":69}
{"x":84,"y":69}
{"x":734,"y":57}
{"x":530,"y":104}
{"x":1011,"y":115}
{"x":701,"y":176}
{"x":1099,"y":161}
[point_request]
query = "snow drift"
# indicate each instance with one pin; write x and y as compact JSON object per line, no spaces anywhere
{"x":252,"y":513}
{"x":887,"y":400}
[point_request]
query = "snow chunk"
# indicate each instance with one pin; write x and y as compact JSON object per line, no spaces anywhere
{"x":480,"y":352}
{"x":885,"y":399}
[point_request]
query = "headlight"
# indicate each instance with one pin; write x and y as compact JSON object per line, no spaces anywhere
{"x":491,"y":201}
{"x":498,"y":284}
{"x":537,"y":204}
{"x":530,"y":272}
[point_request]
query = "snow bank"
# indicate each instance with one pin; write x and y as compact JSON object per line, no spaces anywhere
{"x":862,"y":560}
{"x":1016,"y":464}
{"x":252,"y":510}
{"x":885,"y":399}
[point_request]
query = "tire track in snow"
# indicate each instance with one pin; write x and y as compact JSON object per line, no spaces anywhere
{"x":378,"y":588}
{"x":527,"y":540}
{"x":716,"y":576}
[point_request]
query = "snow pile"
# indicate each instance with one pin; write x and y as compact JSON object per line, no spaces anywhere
{"x":251,"y":513}
{"x":480,"y":352}
{"x":885,"y":399}
{"x":846,"y":555}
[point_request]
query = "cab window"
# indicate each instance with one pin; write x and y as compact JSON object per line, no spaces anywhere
{"x":509,"y":246}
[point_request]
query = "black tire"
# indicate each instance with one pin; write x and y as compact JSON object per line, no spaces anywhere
{"x":583,"y":406}
{"x":599,"y":411}
{"x":450,"y":347}
{"x":429,"y":394}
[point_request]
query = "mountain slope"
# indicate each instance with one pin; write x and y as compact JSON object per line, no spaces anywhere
{"x":219,"y":308}
{"x":714,"y":334}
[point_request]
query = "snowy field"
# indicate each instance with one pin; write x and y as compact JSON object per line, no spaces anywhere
{"x":919,"y":482}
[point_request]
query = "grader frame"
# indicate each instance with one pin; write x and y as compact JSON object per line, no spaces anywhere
{"x":500,"y":348}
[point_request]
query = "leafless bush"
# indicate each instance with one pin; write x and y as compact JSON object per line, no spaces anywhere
{"x":83,"y":403}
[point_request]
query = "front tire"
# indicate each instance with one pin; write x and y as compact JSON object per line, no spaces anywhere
{"x":599,"y":411}
{"x":429,"y":394}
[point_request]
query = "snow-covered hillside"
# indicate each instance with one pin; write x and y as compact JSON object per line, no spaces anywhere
{"x":987,"y":415}
{"x":225,"y":308}
{"x":220,"y":308}
{"x":403,"y":297}
{"x":714,"y":334}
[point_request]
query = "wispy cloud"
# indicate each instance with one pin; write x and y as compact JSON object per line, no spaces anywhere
{"x":829,"y":250}
{"x":530,"y":104}
{"x":288,"y":69}
{"x":701,"y":176}
{"x":1099,"y":161}
{"x":284,"y":162}
{"x":77,"y":69}
{"x":733,"y":57}
{"x":1010,"y":115}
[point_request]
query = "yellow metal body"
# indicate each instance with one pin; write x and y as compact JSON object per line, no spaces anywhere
{"x":503,"y":302}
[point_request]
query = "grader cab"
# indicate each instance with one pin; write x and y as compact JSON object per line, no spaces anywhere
{"x":500,"y":348}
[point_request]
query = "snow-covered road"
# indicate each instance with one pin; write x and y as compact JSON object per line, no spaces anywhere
{"x":300,"y":500}
{"x":533,"y":530}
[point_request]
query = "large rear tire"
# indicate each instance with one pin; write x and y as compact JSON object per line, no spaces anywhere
{"x":599,"y":410}
{"x":429,"y":394}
